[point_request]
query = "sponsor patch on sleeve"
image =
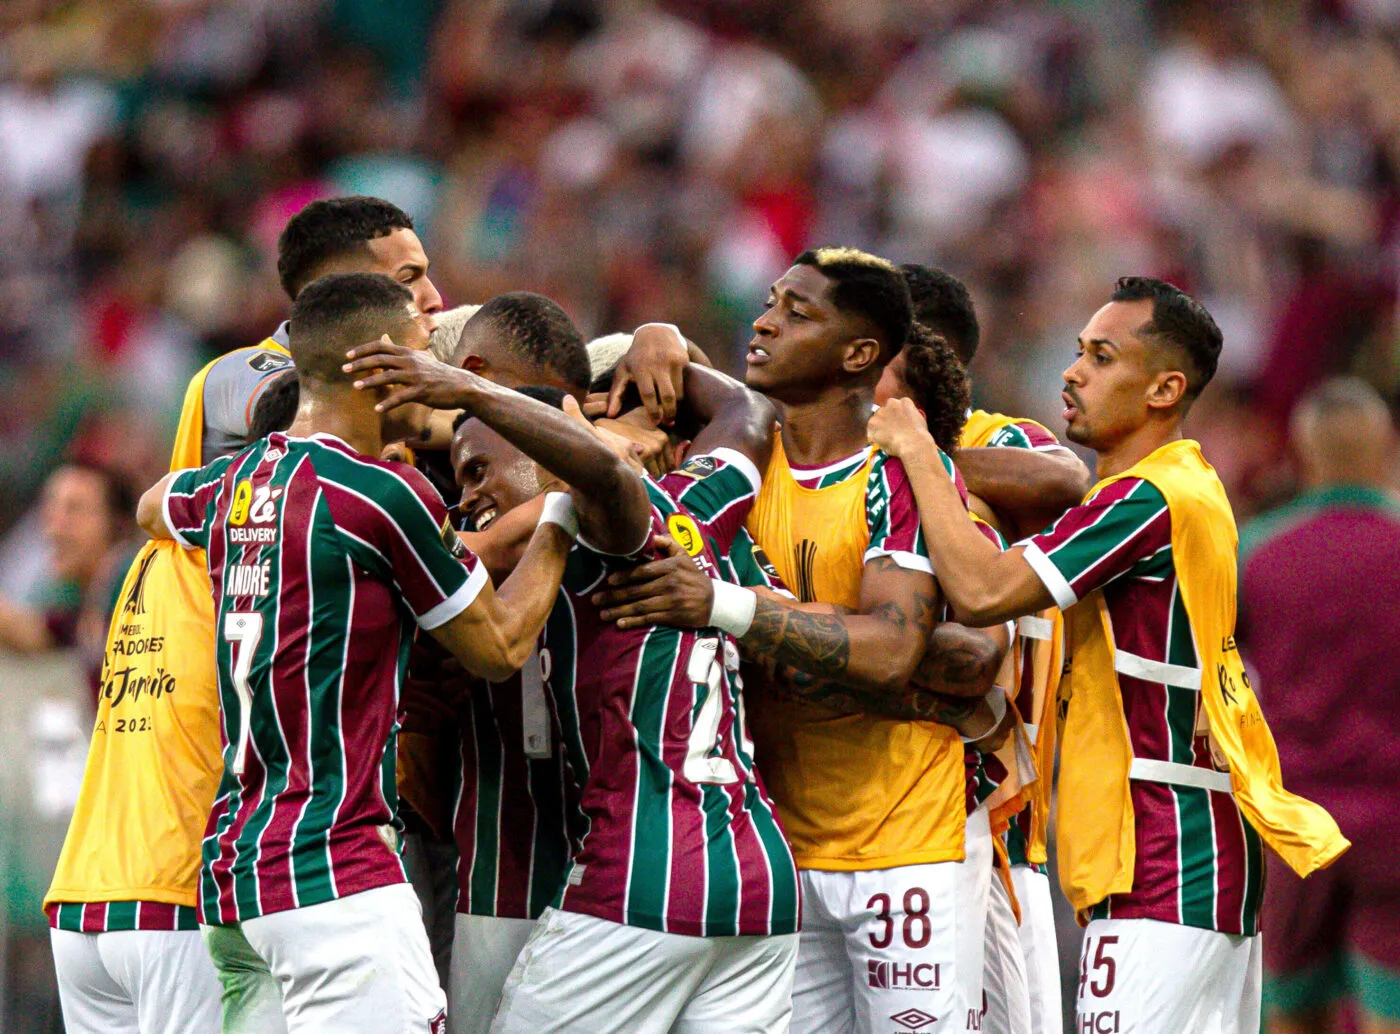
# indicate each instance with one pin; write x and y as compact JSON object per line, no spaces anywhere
{"x":699,"y":467}
{"x":451,"y":541}
{"x":266,"y":362}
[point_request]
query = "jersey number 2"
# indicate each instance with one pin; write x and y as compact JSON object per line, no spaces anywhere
{"x":242,"y":630}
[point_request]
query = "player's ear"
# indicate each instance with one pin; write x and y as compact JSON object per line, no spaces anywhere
{"x":473,"y":363}
{"x":1166,"y":389}
{"x":861,"y":355}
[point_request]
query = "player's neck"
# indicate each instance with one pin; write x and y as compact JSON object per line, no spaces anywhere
{"x":348,"y":418}
{"x":1133,"y":448}
{"x":828,"y":428}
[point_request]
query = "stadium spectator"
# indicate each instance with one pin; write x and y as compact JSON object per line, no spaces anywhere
{"x":1318,"y":578}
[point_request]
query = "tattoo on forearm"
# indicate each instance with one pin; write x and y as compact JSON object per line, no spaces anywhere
{"x":818,"y":643}
{"x":910,"y":703}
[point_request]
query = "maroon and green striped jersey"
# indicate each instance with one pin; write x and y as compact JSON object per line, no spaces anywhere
{"x":517,"y":820}
{"x":1199,"y":863}
{"x":114,"y":916}
{"x":322,"y":561}
{"x":679,"y":834}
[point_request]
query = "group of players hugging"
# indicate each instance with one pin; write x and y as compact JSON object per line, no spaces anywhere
{"x":693,"y":705}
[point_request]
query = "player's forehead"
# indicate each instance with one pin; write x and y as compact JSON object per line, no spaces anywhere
{"x":1117,"y":323}
{"x":475,"y":441}
{"x":806,"y":284}
{"x":394,"y":250}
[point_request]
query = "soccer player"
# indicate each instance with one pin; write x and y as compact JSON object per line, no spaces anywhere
{"x":871,"y":790}
{"x":515,"y":339}
{"x":321,"y":558}
{"x":679,"y":910}
{"x":144,"y":887}
{"x":1022,"y":479}
{"x":1312,"y":572}
{"x":1159,"y":846}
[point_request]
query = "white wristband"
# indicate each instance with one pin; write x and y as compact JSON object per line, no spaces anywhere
{"x":733,"y":608}
{"x":996,"y":700}
{"x":559,"y":509}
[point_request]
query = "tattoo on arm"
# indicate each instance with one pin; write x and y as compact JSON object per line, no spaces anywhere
{"x":818,"y":643}
{"x":909,"y":703}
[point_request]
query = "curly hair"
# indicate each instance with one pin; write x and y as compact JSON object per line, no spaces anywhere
{"x":938,"y":384}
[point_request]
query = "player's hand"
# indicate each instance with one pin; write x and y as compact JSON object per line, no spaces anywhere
{"x":414,"y":376}
{"x":656,"y":363}
{"x":621,"y":446}
{"x":900,"y":429}
{"x":651,"y":445}
{"x":669,"y":591}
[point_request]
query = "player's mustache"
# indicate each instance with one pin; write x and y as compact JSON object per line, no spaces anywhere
{"x":1074,"y":397}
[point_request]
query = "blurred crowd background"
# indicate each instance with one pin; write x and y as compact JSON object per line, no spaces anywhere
{"x":664,"y":159}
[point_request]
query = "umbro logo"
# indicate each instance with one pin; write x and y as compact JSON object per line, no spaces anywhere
{"x":914,"y":1019}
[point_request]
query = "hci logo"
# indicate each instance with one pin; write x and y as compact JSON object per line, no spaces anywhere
{"x":892,"y":976}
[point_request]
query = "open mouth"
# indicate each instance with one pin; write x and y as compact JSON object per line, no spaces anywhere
{"x":757,"y":356}
{"x":1071,"y":410}
{"x":484,"y":516}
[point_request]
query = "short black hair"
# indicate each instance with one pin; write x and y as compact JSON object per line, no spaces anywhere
{"x":938,"y":384}
{"x":537,"y":331}
{"x":336,"y":312}
{"x":539,"y":392}
{"x":276,"y":407}
{"x":328,"y":229}
{"x":943,"y":303}
{"x":1180,"y":322}
{"x":869,"y":287}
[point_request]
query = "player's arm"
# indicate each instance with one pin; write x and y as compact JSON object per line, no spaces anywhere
{"x":148,"y":509}
{"x":1027,"y":488}
{"x":984,"y":585}
{"x":613,"y":509}
{"x":494,"y":635}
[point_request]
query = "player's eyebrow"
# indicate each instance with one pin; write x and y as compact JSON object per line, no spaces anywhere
{"x":791,"y":293}
{"x":1100,"y":341}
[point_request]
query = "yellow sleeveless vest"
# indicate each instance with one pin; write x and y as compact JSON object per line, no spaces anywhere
{"x":854,"y":792}
{"x":1037,"y":654}
{"x":1097,"y":845}
{"x":154,"y":763}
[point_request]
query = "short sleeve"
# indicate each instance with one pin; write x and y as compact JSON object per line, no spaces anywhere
{"x":718,"y":489}
{"x":394,"y":510}
{"x":1104,"y":538}
{"x":892,"y":516}
{"x":1024,"y":434}
{"x":191,"y":497}
{"x":231,"y":389}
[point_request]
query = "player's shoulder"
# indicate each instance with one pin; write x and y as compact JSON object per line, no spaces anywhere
{"x":1131,"y":491}
{"x":721,"y":467}
{"x":337,"y":461}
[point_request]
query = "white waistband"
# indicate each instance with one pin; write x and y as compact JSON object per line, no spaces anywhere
{"x":1177,"y":774}
{"x":1156,"y":671}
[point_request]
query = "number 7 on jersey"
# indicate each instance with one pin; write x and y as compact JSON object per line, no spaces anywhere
{"x":242,"y":630}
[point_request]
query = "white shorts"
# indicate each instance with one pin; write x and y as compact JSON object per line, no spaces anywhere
{"x":895,"y":950}
{"x":1039,"y":948}
{"x":1139,"y":976}
{"x":359,"y":963}
{"x":484,"y":950}
{"x":583,"y":975}
{"x":1006,"y":1001}
{"x":135,"y":982}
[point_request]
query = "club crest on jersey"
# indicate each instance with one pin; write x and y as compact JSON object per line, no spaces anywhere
{"x":266,"y":362}
{"x":685,"y":531}
{"x":699,"y":468}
